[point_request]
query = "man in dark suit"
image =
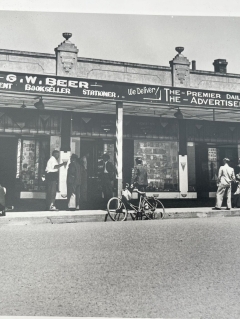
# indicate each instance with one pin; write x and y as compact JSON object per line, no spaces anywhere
{"x":139,"y":175}
{"x":107,"y":177}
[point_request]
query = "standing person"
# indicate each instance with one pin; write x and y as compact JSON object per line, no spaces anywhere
{"x":52,"y":179}
{"x":83,"y":179}
{"x":139,"y":175}
{"x":236,"y":196}
{"x":2,"y":200}
{"x":107,"y":176}
{"x":73,"y":182}
{"x":225,"y":177}
{"x":84,"y":159}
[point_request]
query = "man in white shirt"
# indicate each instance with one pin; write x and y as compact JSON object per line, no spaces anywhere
{"x":52,"y":179}
{"x":225,"y":177}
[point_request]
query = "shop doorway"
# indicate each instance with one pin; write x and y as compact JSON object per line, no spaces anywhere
{"x":128,"y":160}
{"x":93,"y":149}
{"x":8,"y":161}
{"x":208,"y":160}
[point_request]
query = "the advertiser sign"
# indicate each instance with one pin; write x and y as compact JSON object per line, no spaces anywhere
{"x":115,"y":91}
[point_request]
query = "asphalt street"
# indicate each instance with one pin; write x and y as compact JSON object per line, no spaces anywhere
{"x":184,"y":268}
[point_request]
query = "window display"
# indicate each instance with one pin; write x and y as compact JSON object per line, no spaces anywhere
{"x":213,"y":164}
{"x":31,"y":162}
{"x":161,"y":161}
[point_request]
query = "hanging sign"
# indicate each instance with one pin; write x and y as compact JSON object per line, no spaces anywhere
{"x":115,"y":91}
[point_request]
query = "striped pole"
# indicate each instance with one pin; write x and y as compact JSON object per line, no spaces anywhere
{"x":119,"y":146}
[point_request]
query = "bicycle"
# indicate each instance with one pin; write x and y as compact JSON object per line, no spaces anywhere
{"x":147,"y":208}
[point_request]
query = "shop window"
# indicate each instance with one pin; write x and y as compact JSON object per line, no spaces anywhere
{"x":32,"y":157}
{"x":191,"y":167}
{"x":161,"y":161}
{"x":213,"y":164}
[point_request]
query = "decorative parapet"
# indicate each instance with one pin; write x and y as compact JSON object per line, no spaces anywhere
{"x":180,"y":69}
{"x":66,"y":54}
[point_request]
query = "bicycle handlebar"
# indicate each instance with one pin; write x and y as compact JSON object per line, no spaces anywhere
{"x":135,"y":190}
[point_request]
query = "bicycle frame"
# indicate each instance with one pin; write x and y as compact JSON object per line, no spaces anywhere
{"x":140,"y":209}
{"x":118,"y":207}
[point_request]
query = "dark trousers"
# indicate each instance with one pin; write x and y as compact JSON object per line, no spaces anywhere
{"x":51,"y":193}
{"x":107,"y":187}
{"x":2,"y":209}
{"x":236,"y":200}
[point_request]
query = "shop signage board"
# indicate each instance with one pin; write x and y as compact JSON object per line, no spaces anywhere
{"x":41,"y":85}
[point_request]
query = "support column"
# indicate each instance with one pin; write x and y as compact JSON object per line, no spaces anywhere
{"x":65,"y":152}
{"x":183,"y":163}
{"x":119,"y":146}
{"x":67,"y":66}
{"x":181,"y":78}
{"x":183,"y":176}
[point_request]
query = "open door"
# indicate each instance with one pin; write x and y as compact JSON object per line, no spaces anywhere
{"x":208,"y":160}
{"x":94,"y":149}
{"x":8,"y":159}
{"x":202,"y":172}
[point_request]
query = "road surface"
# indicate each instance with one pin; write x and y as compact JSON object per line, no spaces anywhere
{"x":186,"y":268}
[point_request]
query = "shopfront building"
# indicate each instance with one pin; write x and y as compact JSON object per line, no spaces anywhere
{"x":182,"y":122}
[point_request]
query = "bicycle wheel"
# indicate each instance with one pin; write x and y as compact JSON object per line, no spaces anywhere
{"x":158,"y":209}
{"x":117,"y":209}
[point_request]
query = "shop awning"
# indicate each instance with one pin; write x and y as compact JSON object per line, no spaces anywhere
{"x":19,"y":90}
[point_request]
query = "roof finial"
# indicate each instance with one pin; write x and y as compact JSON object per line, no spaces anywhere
{"x":179,"y":49}
{"x":67,"y":35}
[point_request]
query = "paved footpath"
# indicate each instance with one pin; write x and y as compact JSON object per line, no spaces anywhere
{"x":41,"y":217}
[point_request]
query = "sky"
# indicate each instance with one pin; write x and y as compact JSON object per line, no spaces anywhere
{"x":143,"y":33}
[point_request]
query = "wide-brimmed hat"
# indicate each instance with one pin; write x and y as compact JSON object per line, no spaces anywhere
{"x":226,"y":159}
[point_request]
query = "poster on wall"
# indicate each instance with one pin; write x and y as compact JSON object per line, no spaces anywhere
{"x":28,"y":164}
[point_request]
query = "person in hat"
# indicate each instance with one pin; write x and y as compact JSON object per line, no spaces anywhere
{"x":236,"y":196}
{"x":226,"y":176}
{"x":139,"y":175}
